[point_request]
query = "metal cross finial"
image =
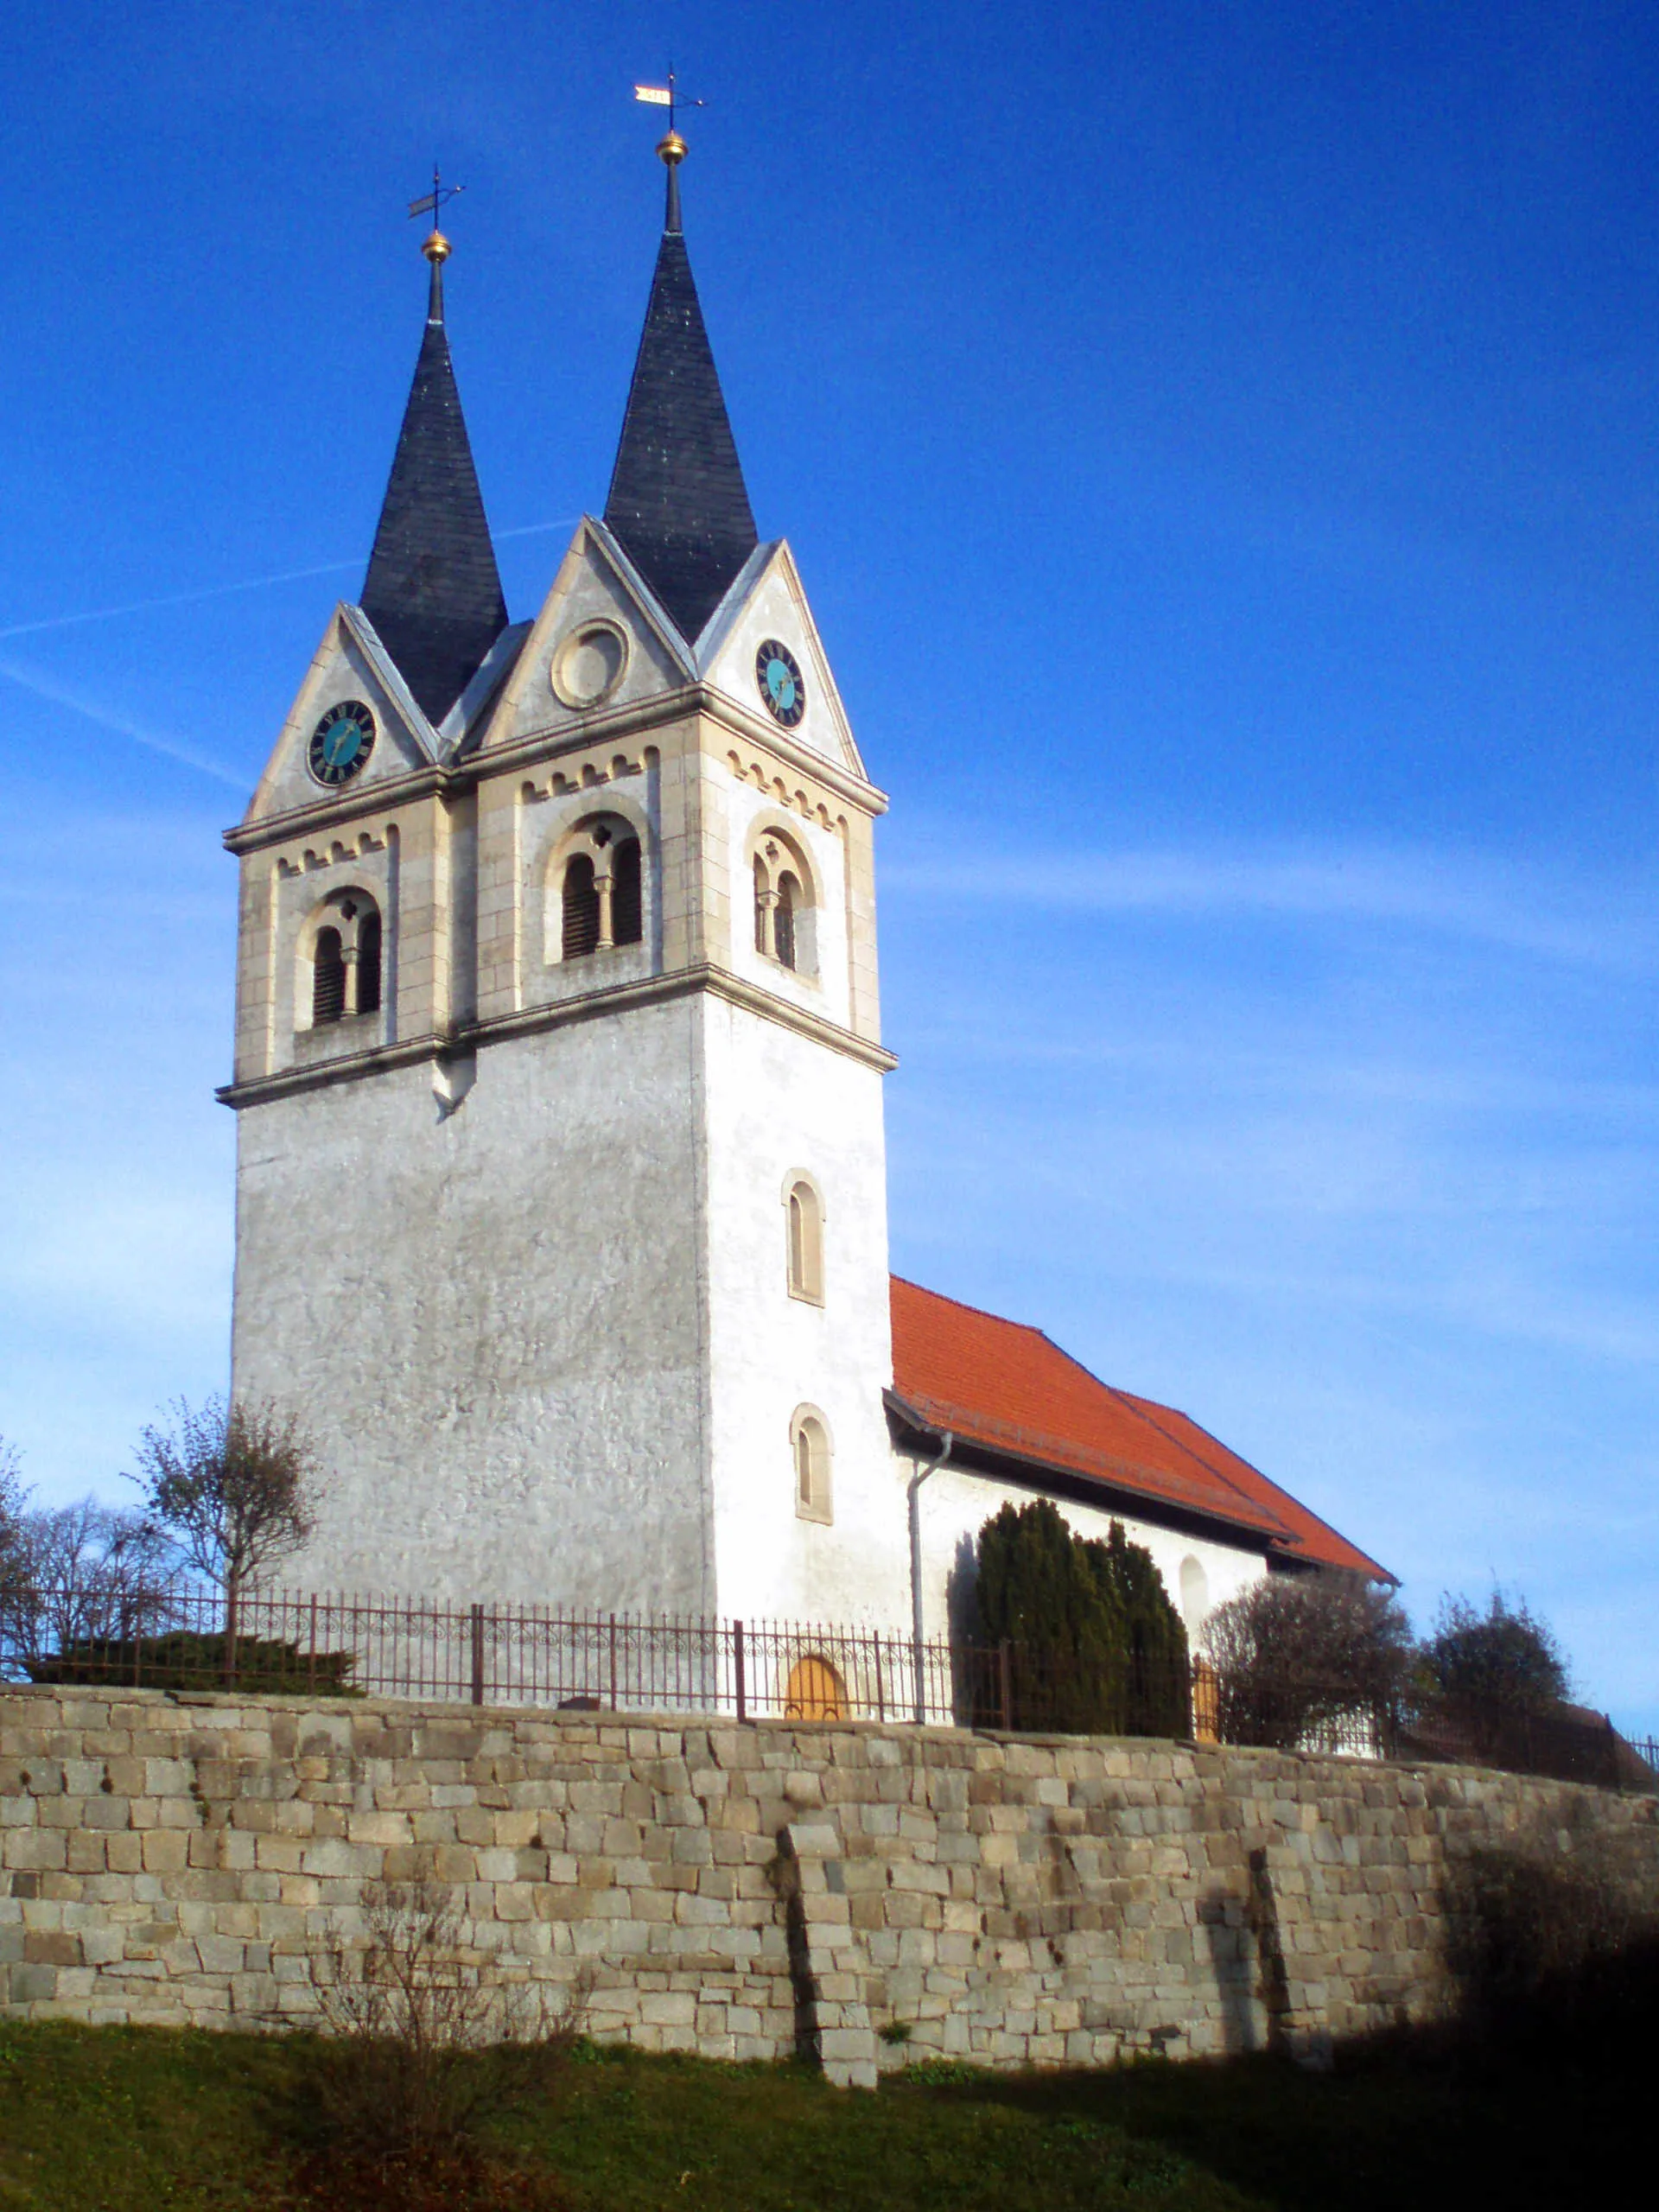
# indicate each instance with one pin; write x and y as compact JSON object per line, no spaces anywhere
{"x":430,"y":203}
{"x":668,"y":96}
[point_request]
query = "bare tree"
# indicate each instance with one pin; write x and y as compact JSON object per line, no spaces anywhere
{"x":14,"y":1502}
{"x":234,"y":1487}
{"x":1505,"y":1656}
{"x":81,"y":1573}
{"x":1295,"y":1652}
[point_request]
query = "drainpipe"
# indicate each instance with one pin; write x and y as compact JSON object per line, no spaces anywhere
{"x":917,"y":1636}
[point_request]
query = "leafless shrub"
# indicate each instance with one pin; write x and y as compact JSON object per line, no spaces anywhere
{"x":13,"y":1499}
{"x":1297,"y":1653}
{"x":426,"y":2042}
{"x":79,"y":1574}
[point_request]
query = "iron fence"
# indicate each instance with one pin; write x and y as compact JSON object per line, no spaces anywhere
{"x":281,"y":1640}
{"x":306,"y":1643}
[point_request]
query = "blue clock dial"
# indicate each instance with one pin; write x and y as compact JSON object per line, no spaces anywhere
{"x":341,"y":742}
{"x":779,"y":675}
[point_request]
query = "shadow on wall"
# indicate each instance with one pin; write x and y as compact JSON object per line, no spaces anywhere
{"x":1249,"y":1971}
{"x":1554,"y":1939}
{"x":959,"y":1591}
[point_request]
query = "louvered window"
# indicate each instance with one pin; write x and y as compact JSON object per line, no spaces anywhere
{"x":628,"y":901}
{"x":328,"y":978}
{"x":782,"y":920}
{"x":581,"y":930}
{"x":368,"y":963}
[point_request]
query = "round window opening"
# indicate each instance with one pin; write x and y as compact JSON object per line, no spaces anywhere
{"x":589,"y":665}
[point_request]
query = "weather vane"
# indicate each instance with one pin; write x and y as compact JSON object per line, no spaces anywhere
{"x":668,"y":96}
{"x":431,"y":202}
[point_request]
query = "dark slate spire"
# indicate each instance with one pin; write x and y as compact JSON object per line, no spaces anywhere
{"x":433,"y":592}
{"x":678,"y":502}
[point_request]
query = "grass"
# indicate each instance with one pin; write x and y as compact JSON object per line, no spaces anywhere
{"x":114,"y":2120}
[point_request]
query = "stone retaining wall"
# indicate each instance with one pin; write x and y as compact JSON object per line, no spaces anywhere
{"x":743,"y":1891}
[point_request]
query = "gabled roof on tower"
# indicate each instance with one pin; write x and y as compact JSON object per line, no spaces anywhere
{"x":677,"y":502}
{"x":433,"y":591}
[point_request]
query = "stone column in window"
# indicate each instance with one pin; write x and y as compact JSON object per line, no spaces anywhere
{"x":607,"y":937}
{"x":349,"y":955}
{"x":765,"y":905}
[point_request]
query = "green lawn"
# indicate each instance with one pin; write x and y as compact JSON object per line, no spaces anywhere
{"x":132,"y":2120}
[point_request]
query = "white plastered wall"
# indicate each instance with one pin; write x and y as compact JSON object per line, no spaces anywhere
{"x":956,"y":1503}
{"x":777,"y":1105}
{"x":489,"y":1318}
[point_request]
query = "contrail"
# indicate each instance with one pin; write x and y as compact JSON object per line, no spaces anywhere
{"x":62,"y":694}
{"x":223,"y":591}
{"x":172,"y":599}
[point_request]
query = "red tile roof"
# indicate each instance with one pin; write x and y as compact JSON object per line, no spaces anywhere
{"x":1005,"y":1387}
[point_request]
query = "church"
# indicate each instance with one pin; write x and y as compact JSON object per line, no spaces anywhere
{"x":561,"y":1185}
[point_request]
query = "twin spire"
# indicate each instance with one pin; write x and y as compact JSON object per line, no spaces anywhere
{"x":677,"y":504}
{"x":433,"y":591}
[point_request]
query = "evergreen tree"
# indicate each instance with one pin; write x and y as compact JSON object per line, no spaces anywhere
{"x":1158,"y":1698}
{"x":1094,"y":1645}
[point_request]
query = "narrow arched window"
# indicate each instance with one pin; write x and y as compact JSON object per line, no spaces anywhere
{"x":805,"y":1243}
{"x":328,"y":978}
{"x":783,"y":919}
{"x":627,"y":894}
{"x":809,"y":1444}
{"x":762,"y":905}
{"x":368,"y":962}
{"x":1195,"y":1595}
{"x":580,"y":933}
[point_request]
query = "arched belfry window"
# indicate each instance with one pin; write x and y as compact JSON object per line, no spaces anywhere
{"x":602,"y":893}
{"x":805,"y":1212}
{"x":328,"y":978}
{"x":344,"y":959}
{"x":784,"y":913}
{"x":809,"y":1440}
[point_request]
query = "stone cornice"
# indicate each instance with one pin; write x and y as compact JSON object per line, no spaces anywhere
{"x":631,"y":721}
{"x":529,"y":1022}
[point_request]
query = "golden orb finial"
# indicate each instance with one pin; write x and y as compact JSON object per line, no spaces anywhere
{"x":435,"y":247}
{"x":672,"y":149}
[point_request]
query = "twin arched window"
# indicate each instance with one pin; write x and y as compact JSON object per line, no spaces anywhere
{"x":783,"y":909}
{"x":603,"y":896}
{"x":808,"y":1441}
{"x":805,"y":1242}
{"x":345,"y":961}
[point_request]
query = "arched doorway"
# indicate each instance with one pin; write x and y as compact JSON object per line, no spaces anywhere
{"x":816,"y":1691}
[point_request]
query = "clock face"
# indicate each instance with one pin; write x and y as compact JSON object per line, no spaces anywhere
{"x":341,"y":742}
{"x":779,"y":679}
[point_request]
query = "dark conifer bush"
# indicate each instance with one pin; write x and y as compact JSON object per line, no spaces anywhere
{"x":1094,"y":1644}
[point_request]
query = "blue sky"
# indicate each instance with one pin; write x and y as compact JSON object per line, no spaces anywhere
{"x":1220,"y":442}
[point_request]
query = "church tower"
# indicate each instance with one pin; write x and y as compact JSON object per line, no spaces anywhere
{"x":561,"y":1209}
